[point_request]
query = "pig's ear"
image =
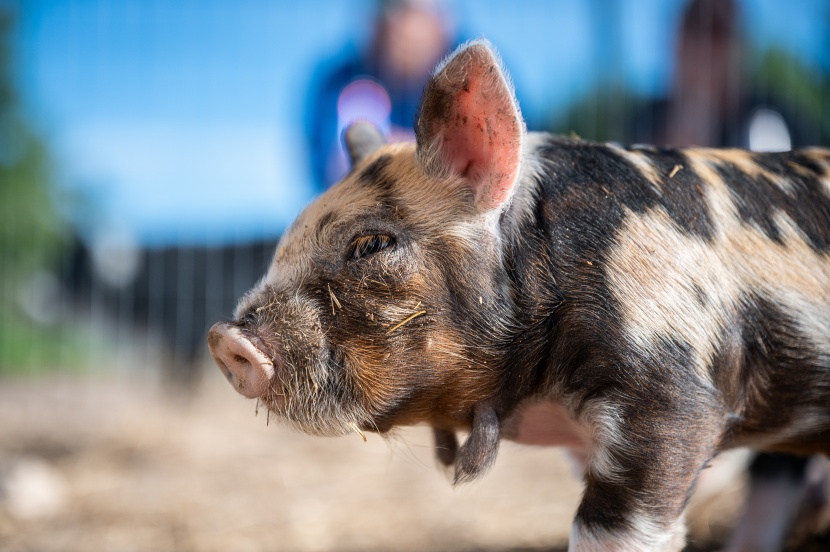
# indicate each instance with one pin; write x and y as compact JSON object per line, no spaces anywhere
{"x":479,"y":451}
{"x":362,"y":138}
{"x":469,"y":124}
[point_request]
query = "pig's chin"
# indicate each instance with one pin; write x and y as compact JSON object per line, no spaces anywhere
{"x":312,"y":389}
{"x":313,"y":401}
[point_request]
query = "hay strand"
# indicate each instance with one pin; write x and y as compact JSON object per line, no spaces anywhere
{"x":333,"y":299}
{"x":675,"y":170}
{"x":405,"y":320}
{"x":357,"y":430}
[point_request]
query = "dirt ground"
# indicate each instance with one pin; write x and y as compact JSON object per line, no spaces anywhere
{"x":123,"y":464}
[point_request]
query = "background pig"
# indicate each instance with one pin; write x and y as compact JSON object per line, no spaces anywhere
{"x":646,"y":308}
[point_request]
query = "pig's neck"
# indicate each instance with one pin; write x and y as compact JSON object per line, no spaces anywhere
{"x":528,"y":262}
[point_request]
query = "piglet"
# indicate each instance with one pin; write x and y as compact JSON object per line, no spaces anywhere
{"x":646,"y":308}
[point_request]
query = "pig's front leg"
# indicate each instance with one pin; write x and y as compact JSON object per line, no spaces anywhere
{"x":643,"y":464}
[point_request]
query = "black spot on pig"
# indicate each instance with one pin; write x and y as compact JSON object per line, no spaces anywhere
{"x":791,"y":164}
{"x":374,"y":176}
{"x":682,"y":192}
{"x":759,"y":200}
{"x":604,"y":505}
{"x":774,"y":365}
{"x":603,"y":182}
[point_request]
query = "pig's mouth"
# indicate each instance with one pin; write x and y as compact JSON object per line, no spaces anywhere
{"x":305,"y":386}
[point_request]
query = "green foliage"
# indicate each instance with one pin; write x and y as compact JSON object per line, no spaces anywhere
{"x":30,"y":228}
{"x":29,"y":349}
{"x":785,"y":77}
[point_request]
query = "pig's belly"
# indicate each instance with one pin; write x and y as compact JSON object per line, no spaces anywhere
{"x":547,"y":423}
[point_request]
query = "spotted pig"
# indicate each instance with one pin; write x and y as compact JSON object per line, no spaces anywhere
{"x":645,"y":307}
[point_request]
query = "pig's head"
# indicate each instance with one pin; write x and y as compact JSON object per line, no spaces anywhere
{"x":385,"y":303}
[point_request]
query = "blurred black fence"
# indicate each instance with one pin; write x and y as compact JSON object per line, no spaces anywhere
{"x":168,"y":297}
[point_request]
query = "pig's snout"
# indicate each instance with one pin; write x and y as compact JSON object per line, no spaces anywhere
{"x":248,"y":370}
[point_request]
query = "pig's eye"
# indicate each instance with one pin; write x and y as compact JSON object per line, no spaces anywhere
{"x":368,"y":245}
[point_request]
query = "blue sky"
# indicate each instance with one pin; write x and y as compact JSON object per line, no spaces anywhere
{"x":182,"y":121}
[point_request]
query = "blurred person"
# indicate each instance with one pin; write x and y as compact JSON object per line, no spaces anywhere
{"x":710,"y":103}
{"x":382,"y":84}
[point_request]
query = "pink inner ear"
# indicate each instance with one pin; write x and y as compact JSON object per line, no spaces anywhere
{"x":482,"y":136}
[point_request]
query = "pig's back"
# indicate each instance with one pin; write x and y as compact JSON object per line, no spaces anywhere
{"x":723,"y":253}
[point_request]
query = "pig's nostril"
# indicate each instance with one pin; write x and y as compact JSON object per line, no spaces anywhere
{"x":224,"y":368}
{"x":245,"y":366}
